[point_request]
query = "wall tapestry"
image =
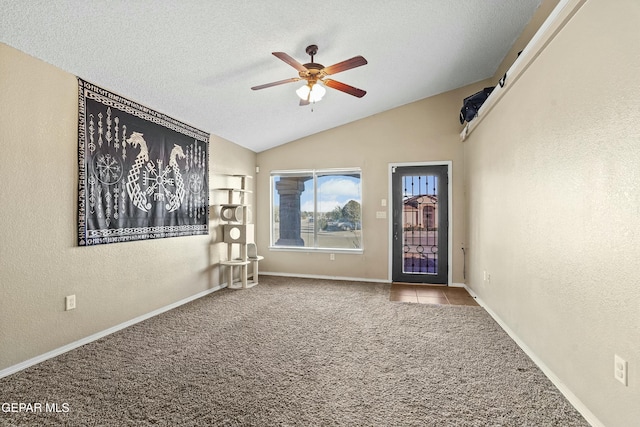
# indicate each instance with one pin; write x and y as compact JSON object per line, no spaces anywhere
{"x":142,"y":174}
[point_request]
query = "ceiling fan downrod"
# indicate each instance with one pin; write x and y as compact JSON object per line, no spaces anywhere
{"x":312,"y":50}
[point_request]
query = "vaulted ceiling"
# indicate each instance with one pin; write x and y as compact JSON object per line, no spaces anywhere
{"x":196,"y":60}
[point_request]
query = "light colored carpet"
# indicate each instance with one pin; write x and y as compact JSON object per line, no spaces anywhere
{"x":295,"y":352}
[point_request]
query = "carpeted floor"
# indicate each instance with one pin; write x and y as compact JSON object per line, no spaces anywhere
{"x":296,"y":352}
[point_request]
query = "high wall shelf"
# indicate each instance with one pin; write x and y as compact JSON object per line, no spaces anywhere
{"x":238,"y":231}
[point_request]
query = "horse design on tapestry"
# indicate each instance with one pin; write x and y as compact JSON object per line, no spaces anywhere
{"x":176,"y":199}
{"x":133,"y":186}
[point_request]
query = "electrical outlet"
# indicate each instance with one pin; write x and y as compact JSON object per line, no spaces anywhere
{"x":70,"y":302}
{"x":620,"y":369}
{"x":486,"y":277}
{"x":332,"y":257}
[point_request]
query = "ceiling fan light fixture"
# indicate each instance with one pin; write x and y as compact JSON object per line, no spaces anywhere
{"x":317,"y":92}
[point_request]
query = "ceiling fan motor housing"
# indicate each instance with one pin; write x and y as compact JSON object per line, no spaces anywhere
{"x":313,"y":73}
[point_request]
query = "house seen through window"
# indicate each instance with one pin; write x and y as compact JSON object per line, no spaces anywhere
{"x":316,"y":209}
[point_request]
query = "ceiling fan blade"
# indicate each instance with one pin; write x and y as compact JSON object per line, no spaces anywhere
{"x":279,"y":82}
{"x":359,"y":93}
{"x":289,"y":60}
{"x":354,"y":62}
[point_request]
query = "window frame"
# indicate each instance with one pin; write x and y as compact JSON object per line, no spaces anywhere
{"x":313,"y":173}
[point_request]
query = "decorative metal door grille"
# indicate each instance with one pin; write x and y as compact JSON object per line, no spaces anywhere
{"x":420,"y":224}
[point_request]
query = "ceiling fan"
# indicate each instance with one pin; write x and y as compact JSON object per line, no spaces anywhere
{"x":315,"y":73}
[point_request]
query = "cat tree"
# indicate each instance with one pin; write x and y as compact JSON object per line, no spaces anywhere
{"x":238,"y":231}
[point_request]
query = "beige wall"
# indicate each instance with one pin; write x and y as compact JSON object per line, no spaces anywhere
{"x":423,"y":131}
{"x":553,"y":207}
{"x":39,"y":261}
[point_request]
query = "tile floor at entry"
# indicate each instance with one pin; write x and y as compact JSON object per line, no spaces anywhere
{"x":426,"y":294}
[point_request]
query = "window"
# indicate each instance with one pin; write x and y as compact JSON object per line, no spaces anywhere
{"x":316,"y":209}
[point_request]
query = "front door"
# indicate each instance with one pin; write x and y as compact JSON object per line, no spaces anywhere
{"x":420,"y":224}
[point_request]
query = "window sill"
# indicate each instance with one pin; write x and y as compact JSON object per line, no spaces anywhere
{"x":308,"y":249}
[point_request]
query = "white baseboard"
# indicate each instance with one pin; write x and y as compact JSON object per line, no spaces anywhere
{"x":572,"y":398}
{"x":58,"y":351}
{"x":319,"y":276}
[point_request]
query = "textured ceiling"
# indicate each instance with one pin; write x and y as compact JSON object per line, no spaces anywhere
{"x":195,"y":60}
